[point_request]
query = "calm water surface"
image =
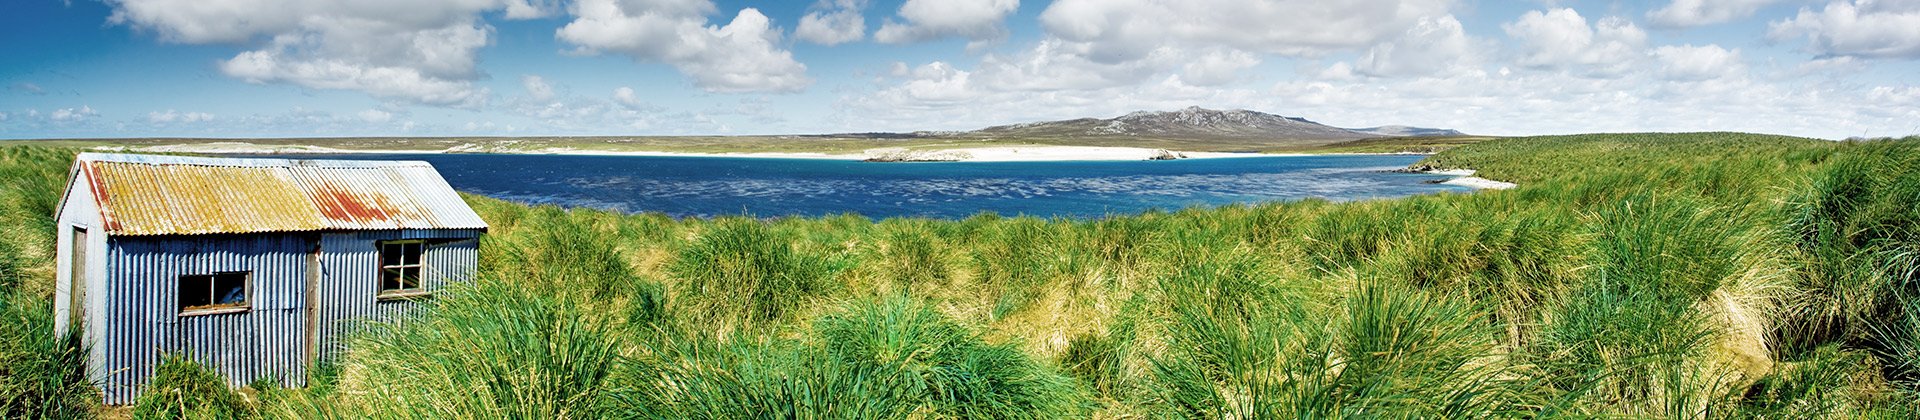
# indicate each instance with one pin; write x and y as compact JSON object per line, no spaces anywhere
{"x":709,"y":186}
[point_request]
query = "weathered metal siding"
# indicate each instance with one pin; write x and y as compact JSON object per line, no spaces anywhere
{"x":144,"y":320}
{"x":167,"y":195}
{"x":350,"y":272}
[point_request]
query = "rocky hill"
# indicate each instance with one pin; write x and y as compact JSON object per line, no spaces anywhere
{"x":1405,"y":131}
{"x":1193,"y":123}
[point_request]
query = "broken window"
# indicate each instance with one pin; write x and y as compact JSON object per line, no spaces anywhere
{"x":213,"y":291}
{"x":400,"y":265}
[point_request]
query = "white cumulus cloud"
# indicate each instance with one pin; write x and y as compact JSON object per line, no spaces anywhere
{"x":1561,"y":39}
{"x":1120,"y":30}
{"x":833,"y":22}
{"x":73,"y":114}
{"x":625,"y":96}
{"x":417,"y":51}
{"x":1863,"y":28}
{"x":741,"y":56}
{"x":172,"y":116}
{"x":978,"y":21}
{"x":1688,"y":62}
{"x":1691,"y":13}
{"x":532,"y":9}
{"x":1218,"y":67}
{"x":375,"y":116}
{"x":537,"y":87}
{"x":1431,"y":46}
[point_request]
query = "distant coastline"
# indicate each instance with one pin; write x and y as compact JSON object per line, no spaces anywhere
{"x":1033,"y":153}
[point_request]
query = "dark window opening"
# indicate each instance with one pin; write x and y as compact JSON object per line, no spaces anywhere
{"x":400,"y":265}
{"x":217,"y":290}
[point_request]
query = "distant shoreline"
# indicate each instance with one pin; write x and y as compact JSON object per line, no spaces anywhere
{"x":1035,"y":153}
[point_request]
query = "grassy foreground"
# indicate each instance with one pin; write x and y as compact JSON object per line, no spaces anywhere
{"x":1706,"y":275}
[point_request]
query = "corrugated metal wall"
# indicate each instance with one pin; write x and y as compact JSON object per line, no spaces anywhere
{"x":350,"y":265}
{"x":144,"y":321}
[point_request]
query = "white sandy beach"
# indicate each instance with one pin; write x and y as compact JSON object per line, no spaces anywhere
{"x":1045,"y":154}
{"x":1465,"y":178}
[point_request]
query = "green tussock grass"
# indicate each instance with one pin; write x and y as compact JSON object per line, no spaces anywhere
{"x":887,"y":358}
{"x":183,"y":389}
{"x":744,"y":269}
{"x":1704,"y":275}
{"x":42,"y":375}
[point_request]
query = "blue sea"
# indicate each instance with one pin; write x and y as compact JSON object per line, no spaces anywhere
{"x":760,"y":187}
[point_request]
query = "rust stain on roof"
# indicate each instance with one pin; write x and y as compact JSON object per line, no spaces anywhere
{"x":154,"y":195}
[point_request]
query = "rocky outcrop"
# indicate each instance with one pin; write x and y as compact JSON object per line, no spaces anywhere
{"x":910,"y":155}
{"x":1461,"y":177}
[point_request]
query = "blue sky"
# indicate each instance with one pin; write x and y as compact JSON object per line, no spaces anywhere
{"x":303,"y":68}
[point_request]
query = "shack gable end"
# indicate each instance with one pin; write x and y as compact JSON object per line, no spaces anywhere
{"x":78,"y":267}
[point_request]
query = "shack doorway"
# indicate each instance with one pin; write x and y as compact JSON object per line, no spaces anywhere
{"x":77,"y":281}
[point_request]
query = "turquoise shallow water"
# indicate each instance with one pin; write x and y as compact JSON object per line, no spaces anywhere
{"x":709,"y":186}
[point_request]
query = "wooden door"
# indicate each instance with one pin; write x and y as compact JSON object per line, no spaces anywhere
{"x":77,"y":281}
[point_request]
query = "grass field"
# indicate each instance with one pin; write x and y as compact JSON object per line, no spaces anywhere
{"x":1711,"y":275}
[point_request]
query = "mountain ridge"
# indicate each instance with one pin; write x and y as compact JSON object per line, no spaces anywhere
{"x":1190,"y":122}
{"x":1409,"y":131}
{"x":1245,"y":128}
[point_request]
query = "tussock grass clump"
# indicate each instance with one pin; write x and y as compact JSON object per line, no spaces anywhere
{"x":1830,"y":382}
{"x":959,"y":374}
{"x":574,"y":252}
{"x":487,"y":350}
{"x":695,"y":376}
{"x":1857,"y":222}
{"x":1106,"y":361}
{"x":1354,"y":235}
{"x":34,"y":182}
{"x":1631,"y":339}
{"x":912,"y":256}
{"x":41,"y":375}
{"x":1124,"y":245}
{"x":1384,"y":351}
{"x":182,"y":389}
{"x":1017,"y":257}
{"x":893,"y":359}
{"x":744,"y":269}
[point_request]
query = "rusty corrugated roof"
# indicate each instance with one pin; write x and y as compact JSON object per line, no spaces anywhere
{"x":165,"y":195}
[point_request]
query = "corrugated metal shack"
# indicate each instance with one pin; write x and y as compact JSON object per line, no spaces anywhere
{"x":254,"y":267}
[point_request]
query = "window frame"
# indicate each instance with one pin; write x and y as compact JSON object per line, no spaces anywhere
{"x":418,"y":265}
{"x":213,"y":279}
